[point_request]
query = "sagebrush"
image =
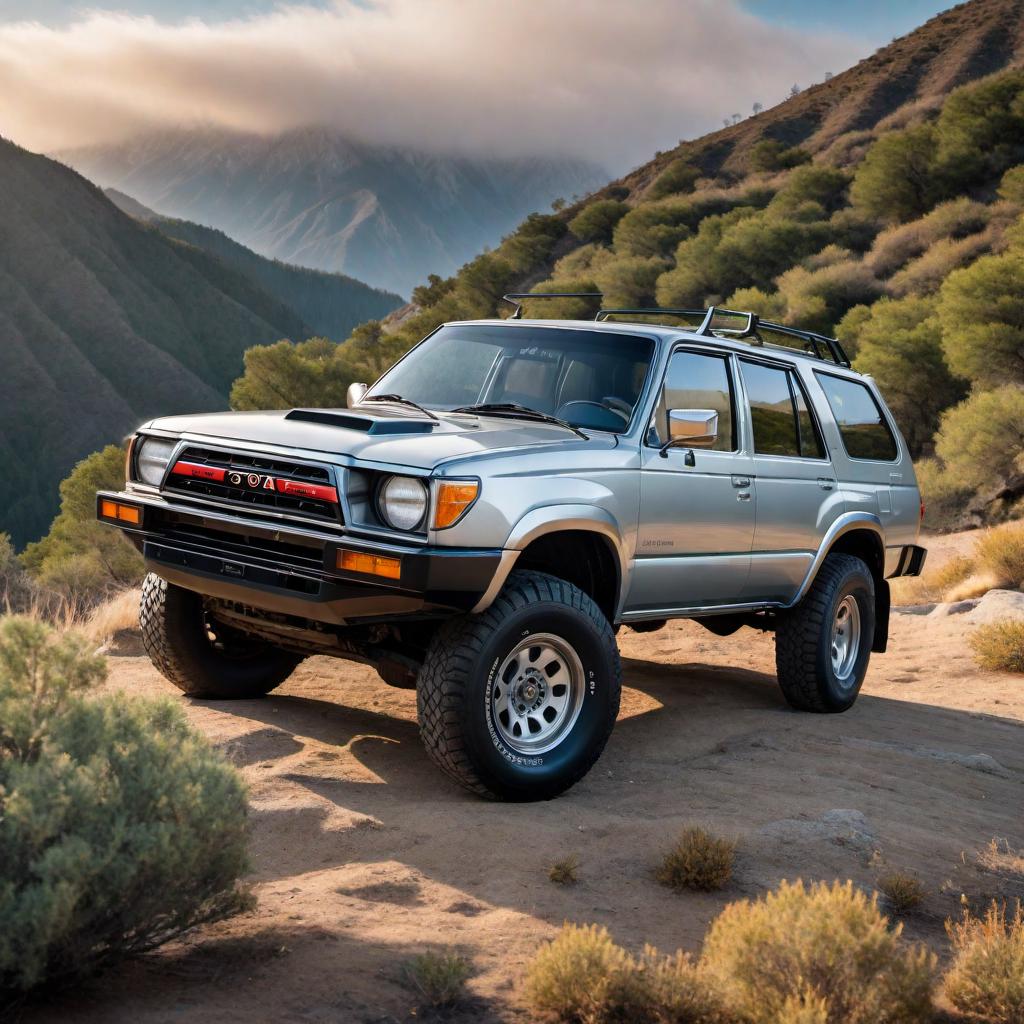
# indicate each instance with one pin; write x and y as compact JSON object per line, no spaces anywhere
{"x":999,"y":646}
{"x":120,"y":826}
{"x":439,"y":977}
{"x":698,"y":860}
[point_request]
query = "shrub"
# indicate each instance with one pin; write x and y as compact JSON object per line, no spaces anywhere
{"x":772,"y":155}
{"x":817,"y":298}
{"x":999,"y":646}
{"x":565,"y":309}
{"x":826,"y":943}
{"x":944,"y":496}
{"x":596,"y":222}
{"x":902,"y":891}
{"x":629,"y":280}
{"x":1000,"y":551}
{"x":927,"y":273}
{"x":120,"y":827}
{"x":896,"y":180}
{"x":986,"y":978}
{"x":439,"y":978}
{"x":698,"y":860}
{"x":817,"y":183}
{"x":981,"y":308}
{"x":565,"y":870}
{"x":582,"y":976}
{"x":678,"y":176}
{"x":1011,"y":187}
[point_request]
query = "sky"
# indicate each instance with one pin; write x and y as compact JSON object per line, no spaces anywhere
{"x":607,"y":80}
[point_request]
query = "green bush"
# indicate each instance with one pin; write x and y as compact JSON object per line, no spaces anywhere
{"x":678,"y":176}
{"x":999,"y":646}
{"x":896,"y":180}
{"x":818,"y":298}
{"x":982,"y":312}
{"x":81,"y":560}
{"x":596,"y":222}
{"x":698,"y":860}
{"x":986,"y":979}
{"x":629,"y":281}
{"x":819,"y":184}
{"x":439,"y":978}
{"x":120,"y":827}
{"x":826,"y":943}
{"x":899,"y":342}
{"x":582,"y":977}
{"x":771,"y":155}
{"x":944,"y":496}
{"x":1011,"y":186}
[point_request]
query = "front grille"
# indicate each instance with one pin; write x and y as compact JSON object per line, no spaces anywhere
{"x":229,"y":478}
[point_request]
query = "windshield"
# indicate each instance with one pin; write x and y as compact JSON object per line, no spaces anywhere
{"x":587,"y":378}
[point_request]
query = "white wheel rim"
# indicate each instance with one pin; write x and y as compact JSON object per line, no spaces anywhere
{"x":845,"y":646}
{"x":537,"y":693}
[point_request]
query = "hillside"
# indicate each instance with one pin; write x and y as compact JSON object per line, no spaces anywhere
{"x":883,"y":205}
{"x":313,"y":198}
{"x":104,"y":322}
{"x":331,"y":304}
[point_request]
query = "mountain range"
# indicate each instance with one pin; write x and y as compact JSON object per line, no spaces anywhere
{"x":315,"y":198}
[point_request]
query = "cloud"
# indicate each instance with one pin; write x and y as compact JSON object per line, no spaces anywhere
{"x":610,"y":79}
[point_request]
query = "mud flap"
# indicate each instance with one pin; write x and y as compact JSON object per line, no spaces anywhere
{"x":881,"y":638}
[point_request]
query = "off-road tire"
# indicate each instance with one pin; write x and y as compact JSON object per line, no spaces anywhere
{"x":175,"y":636}
{"x":453,"y":693}
{"x":803,"y":638}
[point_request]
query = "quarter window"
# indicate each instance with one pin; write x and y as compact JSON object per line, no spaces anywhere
{"x":779,"y":413}
{"x":694,"y":380}
{"x":863,"y":428}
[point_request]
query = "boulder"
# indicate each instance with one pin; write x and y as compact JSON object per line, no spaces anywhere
{"x":997,"y":605}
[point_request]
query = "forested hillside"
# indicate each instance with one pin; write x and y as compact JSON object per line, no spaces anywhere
{"x":104,"y":322}
{"x":332,"y":305}
{"x":883,"y":205}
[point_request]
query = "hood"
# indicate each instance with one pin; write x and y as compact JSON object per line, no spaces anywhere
{"x":377,"y":436}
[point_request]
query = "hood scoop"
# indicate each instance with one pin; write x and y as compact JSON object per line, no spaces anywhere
{"x":366,"y":424}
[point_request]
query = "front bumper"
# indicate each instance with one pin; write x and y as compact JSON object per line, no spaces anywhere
{"x":292,"y":570}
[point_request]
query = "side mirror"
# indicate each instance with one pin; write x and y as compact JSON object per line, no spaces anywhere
{"x":691,"y":428}
{"x":355,"y":394}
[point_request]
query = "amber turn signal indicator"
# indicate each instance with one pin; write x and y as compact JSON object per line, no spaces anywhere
{"x":454,"y":497}
{"x":124,"y":513}
{"x":372,"y":565}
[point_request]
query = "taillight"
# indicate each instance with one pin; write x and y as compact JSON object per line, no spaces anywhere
{"x":921,"y":512}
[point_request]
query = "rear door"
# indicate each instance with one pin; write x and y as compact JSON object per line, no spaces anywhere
{"x":797,"y":496}
{"x":696,"y":520}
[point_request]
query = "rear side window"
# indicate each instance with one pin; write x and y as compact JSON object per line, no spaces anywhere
{"x":863,"y":428}
{"x":779,"y":414}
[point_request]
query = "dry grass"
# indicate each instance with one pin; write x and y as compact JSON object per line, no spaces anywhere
{"x":986,"y":979}
{"x":119,"y":613}
{"x":936,"y":584}
{"x":698,"y":860}
{"x":902,"y":891}
{"x":565,"y":871}
{"x":999,"y":646}
{"x":1000,"y":552}
{"x":439,"y":978}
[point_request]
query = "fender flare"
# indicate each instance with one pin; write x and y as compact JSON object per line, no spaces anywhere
{"x":556,"y":519}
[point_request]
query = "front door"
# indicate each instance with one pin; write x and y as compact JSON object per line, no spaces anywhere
{"x":697,"y":504}
{"x":797,"y":497}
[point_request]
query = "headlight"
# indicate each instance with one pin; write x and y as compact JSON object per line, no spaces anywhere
{"x":151,"y":458}
{"x":402,"y":502}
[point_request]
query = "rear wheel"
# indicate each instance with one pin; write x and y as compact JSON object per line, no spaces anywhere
{"x":202,"y":657}
{"x":518,"y":702}
{"x":822,"y":646}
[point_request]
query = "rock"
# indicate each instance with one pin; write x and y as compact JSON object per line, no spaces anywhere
{"x":914,"y":609}
{"x":940,"y":611}
{"x":842,"y":827}
{"x":977,"y":762}
{"x":996,"y":605}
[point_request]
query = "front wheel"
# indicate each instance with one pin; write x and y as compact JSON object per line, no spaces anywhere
{"x":202,"y":657}
{"x":823,"y":645}
{"x":518,"y":702}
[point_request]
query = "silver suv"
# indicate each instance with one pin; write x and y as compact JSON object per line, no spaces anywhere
{"x":480,"y":522}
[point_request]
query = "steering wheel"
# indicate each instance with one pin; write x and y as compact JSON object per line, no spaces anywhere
{"x":618,"y":404}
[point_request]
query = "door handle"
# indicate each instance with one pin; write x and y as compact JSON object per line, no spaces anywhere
{"x":743,"y":496}
{"x":825,"y":483}
{"x":741,"y":481}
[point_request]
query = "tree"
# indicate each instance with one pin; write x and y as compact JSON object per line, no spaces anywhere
{"x":757,"y":108}
{"x":772,"y":155}
{"x":900,"y":345}
{"x":596,"y":222}
{"x":80,"y":558}
{"x":794,"y":90}
{"x":679,"y":176}
{"x":896,"y":180}
{"x":981,"y":308}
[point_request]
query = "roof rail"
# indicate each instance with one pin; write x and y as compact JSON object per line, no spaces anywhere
{"x":515,"y":298}
{"x":751,"y":328}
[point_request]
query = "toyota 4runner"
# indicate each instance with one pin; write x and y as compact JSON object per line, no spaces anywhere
{"x":480,"y":522}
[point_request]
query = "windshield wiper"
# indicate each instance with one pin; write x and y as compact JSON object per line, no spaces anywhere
{"x":520,"y":411}
{"x":401,"y":400}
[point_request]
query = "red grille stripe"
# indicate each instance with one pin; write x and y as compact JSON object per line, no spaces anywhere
{"x":303,"y":490}
{"x":202,"y":472}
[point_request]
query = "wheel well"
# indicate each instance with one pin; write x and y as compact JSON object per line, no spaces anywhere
{"x":867,"y":546}
{"x":580,"y":557}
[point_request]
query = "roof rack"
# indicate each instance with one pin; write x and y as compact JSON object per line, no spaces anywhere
{"x":516,"y":299}
{"x":752,"y":328}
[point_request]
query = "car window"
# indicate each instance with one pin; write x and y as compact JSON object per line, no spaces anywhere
{"x":811,"y":445}
{"x":695,"y":380}
{"x":863,"y":428}
{"x":772,"y":415}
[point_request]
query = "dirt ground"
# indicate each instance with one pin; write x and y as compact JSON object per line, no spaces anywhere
{"x":364,"y":855}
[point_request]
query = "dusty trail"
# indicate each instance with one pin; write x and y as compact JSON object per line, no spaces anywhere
{"x":364,"y":855}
